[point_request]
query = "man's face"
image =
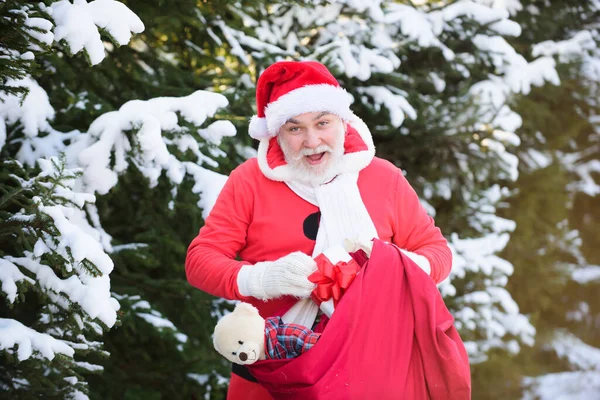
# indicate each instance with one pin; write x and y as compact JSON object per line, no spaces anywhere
{"x":312,"y":142}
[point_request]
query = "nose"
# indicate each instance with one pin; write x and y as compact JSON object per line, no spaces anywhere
{"x":243,"y":356}
{"x":312,"y":139}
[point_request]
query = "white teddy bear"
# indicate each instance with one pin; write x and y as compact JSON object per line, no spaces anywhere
{"x":244,"y":337}
{"x":240,"y":336}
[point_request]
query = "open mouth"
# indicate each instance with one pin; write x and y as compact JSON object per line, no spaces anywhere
{"x":314,"y":159}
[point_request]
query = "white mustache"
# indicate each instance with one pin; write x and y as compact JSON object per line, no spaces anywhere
{"x":309,"y":152}
{"x":320,"y":149}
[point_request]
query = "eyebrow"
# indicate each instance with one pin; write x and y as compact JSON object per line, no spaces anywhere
{"x":321,"y":115}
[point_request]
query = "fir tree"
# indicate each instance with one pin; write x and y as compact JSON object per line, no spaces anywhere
{"x":54,"y":281}
{"x":553,"y":277}
{"x":54,"y":269}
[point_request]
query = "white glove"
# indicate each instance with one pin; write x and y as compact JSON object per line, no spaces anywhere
{"x":271,"y":279}
{"x":418,"y":259}
{"x":359,"y":243}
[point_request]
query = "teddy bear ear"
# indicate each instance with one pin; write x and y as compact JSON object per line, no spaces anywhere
{"x":246,"y":309}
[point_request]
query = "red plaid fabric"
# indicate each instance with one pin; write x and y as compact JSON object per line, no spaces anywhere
{"x":287,"y":340}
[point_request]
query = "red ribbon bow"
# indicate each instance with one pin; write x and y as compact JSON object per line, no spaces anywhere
{"x":332,"y":280}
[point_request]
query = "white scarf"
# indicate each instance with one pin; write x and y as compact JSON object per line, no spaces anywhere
{"x":343,"y":216}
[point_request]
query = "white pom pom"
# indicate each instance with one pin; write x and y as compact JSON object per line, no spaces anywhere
{"x":258,"y":128}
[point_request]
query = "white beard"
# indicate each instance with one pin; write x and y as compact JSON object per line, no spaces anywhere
{"x":315,"y":174}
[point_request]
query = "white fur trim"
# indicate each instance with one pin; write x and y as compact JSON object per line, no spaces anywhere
{"x":352,"y":162}
{"x":249,"y":280}
{"x":257,"y":129}
{"x":310,"y":98}
{"x":418,"y":259}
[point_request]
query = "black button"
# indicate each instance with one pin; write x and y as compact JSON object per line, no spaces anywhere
{"x":311,"y":225}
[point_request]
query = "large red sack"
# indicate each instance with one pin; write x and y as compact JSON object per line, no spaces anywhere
{"x":390,"y":337}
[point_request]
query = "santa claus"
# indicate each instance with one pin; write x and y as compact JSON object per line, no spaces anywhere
{"x":315,"y":182}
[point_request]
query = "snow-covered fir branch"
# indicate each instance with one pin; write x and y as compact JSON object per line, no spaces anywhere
{"x":584,"y":383}
{"x":147,"y":135}
{"x":64,"y":266}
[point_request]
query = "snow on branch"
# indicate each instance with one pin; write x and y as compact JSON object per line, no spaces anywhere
{"x":39,"y":29}
{"x":415,"y":24}
{"x":483,"y":14}
{"x":396,"y":104}
{"x":28,"y":341}
{"x":587,"y":274}
{"x":584,"y":170}
{"x":566,"y":50}
{"x":489,"y":315}
{"x":519,"y":75}
{"x":361,"y":61}
{"x":373,"y":7}
{"x":67,"y":264}
{"x":564,"y":386}
{"x":144,"y":134}
{"x":32,"y":111}
{"x":578,"y":353}
{"x":512,"y":6}
{"x":583,"y":383}
{"x":237,"y":39}
{"x":10,"y":275}
{"x":78,"y":24}
{"x":88,"y":286}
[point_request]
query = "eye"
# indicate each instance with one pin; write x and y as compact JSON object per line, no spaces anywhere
{"x":240,"y":342}
{"x":323,"y":123}
{"x":234,"y":353}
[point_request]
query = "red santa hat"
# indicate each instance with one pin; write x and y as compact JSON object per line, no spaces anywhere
{"x":290,"y":88}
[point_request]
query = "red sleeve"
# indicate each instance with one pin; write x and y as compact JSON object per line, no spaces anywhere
{"x":415,"y":231}
{"x":210,"y":264}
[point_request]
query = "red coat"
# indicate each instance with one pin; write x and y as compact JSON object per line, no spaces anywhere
{"x":259,"y":219}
